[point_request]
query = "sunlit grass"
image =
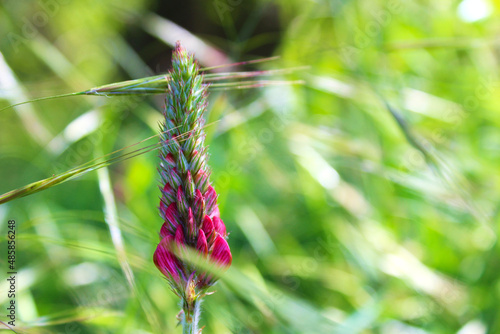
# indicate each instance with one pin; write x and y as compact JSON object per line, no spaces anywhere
{"x":364,"y":201}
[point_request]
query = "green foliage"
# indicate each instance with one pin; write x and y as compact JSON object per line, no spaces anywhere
{"x":364,"y":201}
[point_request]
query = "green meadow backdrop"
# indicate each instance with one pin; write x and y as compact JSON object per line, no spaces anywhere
{"x":365,"y":200}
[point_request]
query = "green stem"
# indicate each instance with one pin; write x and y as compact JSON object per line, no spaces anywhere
{"x":190,"y":317}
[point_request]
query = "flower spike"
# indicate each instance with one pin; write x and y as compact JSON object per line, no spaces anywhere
{"x":188,"y":203}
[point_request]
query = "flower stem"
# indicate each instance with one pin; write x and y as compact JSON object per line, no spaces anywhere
{"x":191,"y":316}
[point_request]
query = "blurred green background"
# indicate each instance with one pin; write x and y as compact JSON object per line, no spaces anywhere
{"x":363,"y":201}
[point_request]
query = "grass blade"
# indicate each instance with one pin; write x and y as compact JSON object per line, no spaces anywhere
{"x":47,"y":183}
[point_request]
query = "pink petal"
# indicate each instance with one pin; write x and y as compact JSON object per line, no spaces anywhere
{"x":215,"y":212}
{"x":171,"y":217}
{"x":168,"y":195}
{"x":202,"y":245}
{"x":164,"y":260}
{"x":168,"y":189}
{"x":169,"y":158}
{"x":219,"y":226}
{"x":221,"y":252}
{"x":164,"y":231}
{"x":190,"y":224}
{"x":179,"y":236}
{"x":207,"y":226}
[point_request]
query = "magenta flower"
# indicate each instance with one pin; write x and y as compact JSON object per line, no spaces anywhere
{"x":188,"y":203}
